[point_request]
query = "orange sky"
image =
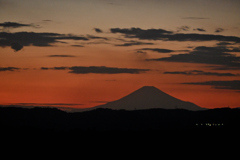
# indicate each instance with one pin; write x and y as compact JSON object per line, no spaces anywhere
{"x":33,"y":85}
{"x":124,"y":51}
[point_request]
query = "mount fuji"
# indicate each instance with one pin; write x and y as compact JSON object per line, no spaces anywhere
{"x":149,"y":97}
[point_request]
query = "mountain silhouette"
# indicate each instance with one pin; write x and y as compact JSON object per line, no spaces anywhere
{"x":149,"y":97}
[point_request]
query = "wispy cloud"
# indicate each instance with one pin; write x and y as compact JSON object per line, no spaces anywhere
{"x":98,"y":70}
{"x":151,"y":34}
{"x":219,"y":30}
{"x":105,"y":70}
{"x":11,"y":25}
{"x":36,"y":39}
{"x":183,"y":28}
{"x":77,"y":45}
{"x":164,"y":35}
{"x":134,"y":43}
{"x":98,"y":30}
{"x":8,"y":69}
{"x":195,"y":18}
{"x":159,"y":50}
{"x":207,"y":55}
{"x":18,"y":40}
{"x":231,"y":85}
{"x":54,"y":68}
{"x":199,"y":29}
{"x":199,"y":72}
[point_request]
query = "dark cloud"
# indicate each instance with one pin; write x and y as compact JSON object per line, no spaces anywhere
{"x":218,"y":49}
{"x":55,"y":68}
{"x":225,"y":43}
{"x":223,"y":68}
{"x":140,"y":55}
{"x":7,"y":26}
{"x":159,"y":50}
{"x":60,"y":68}
{"x":198,"y":72}
{"x":195,"y":18}
{"x":14,"y":25}
{"x":161,"y":34}
{"x":153,"y":34}
{"x":134,"y":43}
{"x":231,"y":85}
{"x":35,"y":39}
{"x":219,"y":30}
{"x":206,"y":55}
{"x":199,"y":37}
{"x":77,"y":45}
{"x":4,"y":43}
{"x":95,"y":37}
{"x":200,"y":29}
{"x":44,"y":68}
{"x":141,"y":52}
{"x":104,"y":70}
{"x":61,"y":56}
{"x":16,"y":46}
{"x":183,"y":28}
{"x":8,"y":69}
{"x":98,"y":30}
{"x":98,"y":70}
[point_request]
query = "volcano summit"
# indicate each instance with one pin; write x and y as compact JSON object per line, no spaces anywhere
{"x":149,"y":97}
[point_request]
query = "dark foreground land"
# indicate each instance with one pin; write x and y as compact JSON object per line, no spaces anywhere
{"x":102,"y":120}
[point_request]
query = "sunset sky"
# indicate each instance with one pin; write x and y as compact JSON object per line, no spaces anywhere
{"x":83,"y":53}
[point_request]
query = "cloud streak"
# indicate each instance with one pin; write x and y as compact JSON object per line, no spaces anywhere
{"x":98,"y":30}
{"x":200,"y":29}
{"x":35,"y":39}
{"x":18,"y":40}
{"x":54,"y":68}
{"x":159,"y":50}
{"x":198,"y":72}
{"x":105,"y":70}
{"x":2,"y":69}
{"x":98,"y":70}
{"x":9,"y":25}
{"x":161,"y":34}
{"x":218,"y":30}
{"x":183,"y":28}
{"x":134,"y":43}
{"x":230,"y":85}
{"x":207,"y":55}
{"x":13,"y":24}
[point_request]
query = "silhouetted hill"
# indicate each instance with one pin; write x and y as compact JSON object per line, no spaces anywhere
{"x":35,"y":118}
{"x":149,"y":97}
{"x":54,"y":120}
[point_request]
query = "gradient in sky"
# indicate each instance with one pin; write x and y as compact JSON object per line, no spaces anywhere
{"x":82,"y":53}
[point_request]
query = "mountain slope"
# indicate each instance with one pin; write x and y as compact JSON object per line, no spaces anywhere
{"x":149,"y":97}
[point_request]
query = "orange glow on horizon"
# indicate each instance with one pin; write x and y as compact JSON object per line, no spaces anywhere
{"x":130,"y":44}
{"x":39,"y":86}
